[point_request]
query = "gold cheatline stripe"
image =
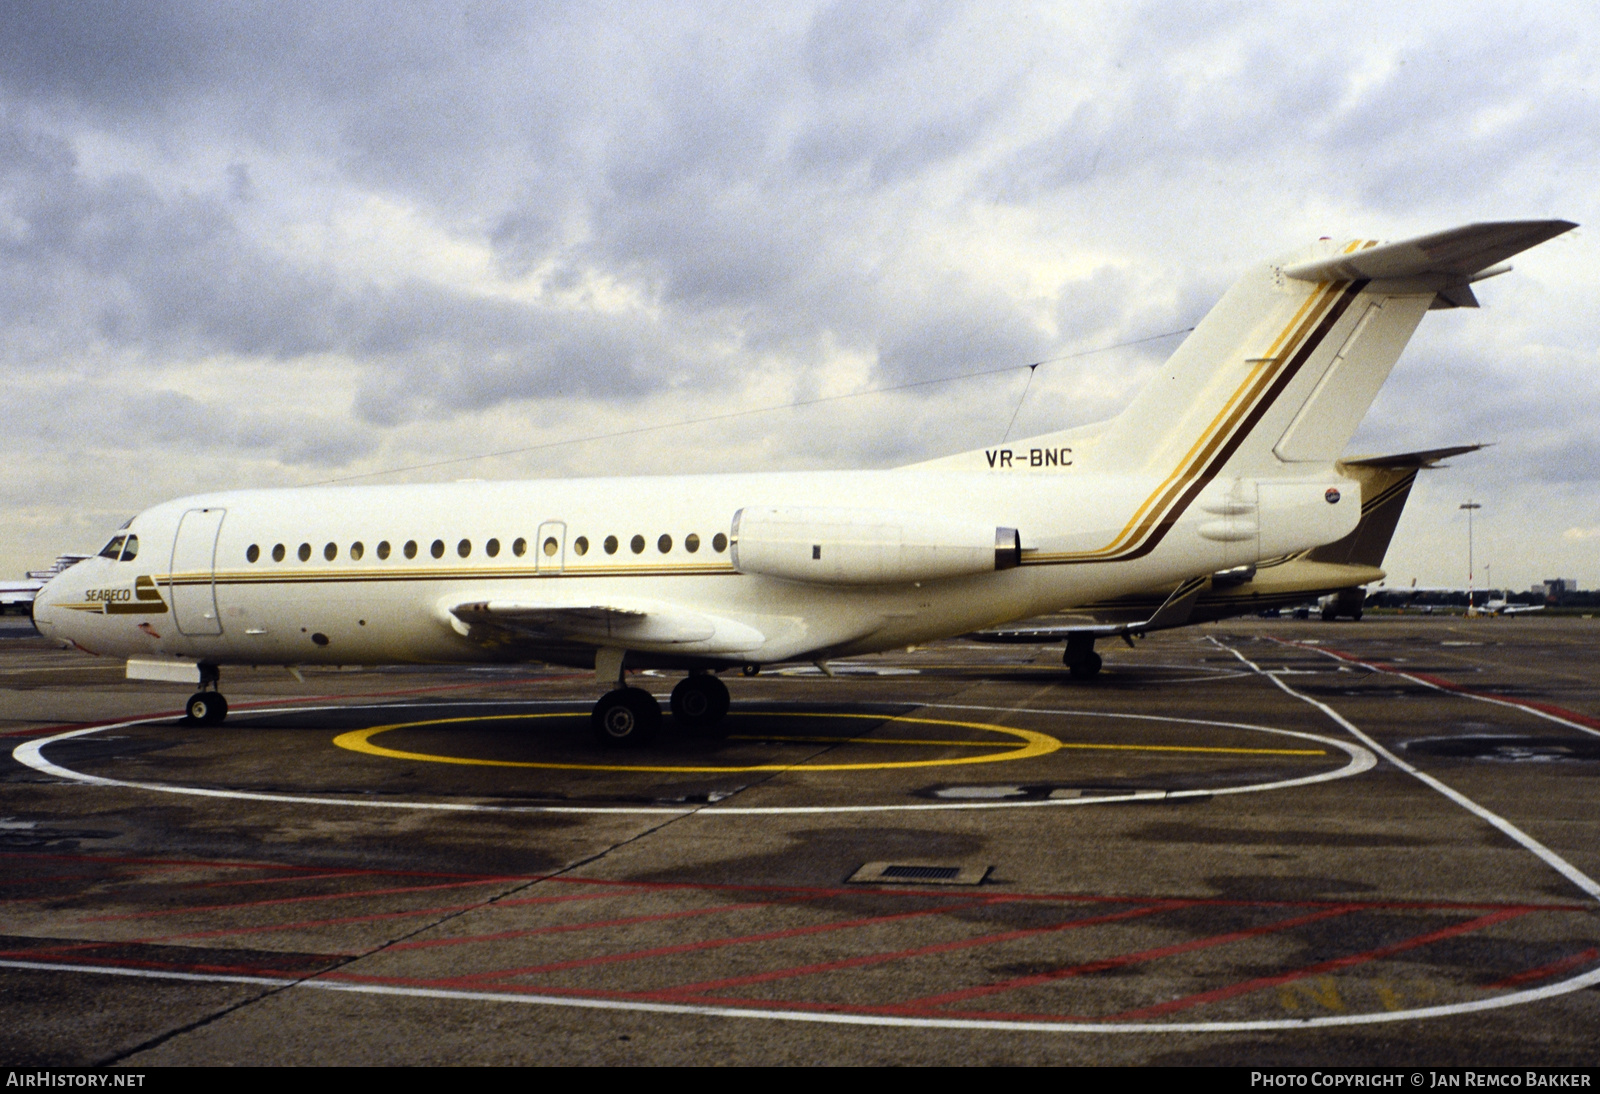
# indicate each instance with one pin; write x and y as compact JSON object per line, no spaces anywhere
{"x":1301,"y":325}
{"x":1239,"y":404}
{"x":1384,"y":496}
{"x":310,"y":577}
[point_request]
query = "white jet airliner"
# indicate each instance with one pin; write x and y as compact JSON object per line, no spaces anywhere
{"x":1225,"y":459}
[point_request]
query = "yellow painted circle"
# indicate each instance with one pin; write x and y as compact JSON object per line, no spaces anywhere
{"x":1029,"y":744}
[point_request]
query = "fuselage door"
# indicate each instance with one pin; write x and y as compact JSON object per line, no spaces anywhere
{"x":191,"y":579}
{"x":550,"y":555}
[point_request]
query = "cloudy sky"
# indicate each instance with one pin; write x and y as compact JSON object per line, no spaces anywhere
{"x":272,"y":244}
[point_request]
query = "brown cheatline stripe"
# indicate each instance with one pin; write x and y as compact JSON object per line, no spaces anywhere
{"x":1254,"y":404}
{"x":1299,"y":324}
{"x":1225,"y":451}
{"x":1226,"y":441}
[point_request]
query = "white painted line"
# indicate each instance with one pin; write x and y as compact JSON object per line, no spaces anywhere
{"x":1550,"y":858}
{"x":31,"y":754}
{"x":1461,"y":693}
{"x":778,"y":1014}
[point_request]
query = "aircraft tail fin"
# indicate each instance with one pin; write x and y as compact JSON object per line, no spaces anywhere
{"x":1386,"y":483}
{"x":1283,"y":369}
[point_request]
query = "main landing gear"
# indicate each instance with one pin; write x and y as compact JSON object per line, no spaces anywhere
{"x":629,"y":717}
{"x":699,"y":703}
{"x":1080,"y":658}
{"x":207,"y":706}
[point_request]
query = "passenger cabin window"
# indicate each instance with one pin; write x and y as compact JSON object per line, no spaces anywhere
{"x":664,"y":544}
{"x":691,"y":543}
{"x":437,"y":550}
{"x":305,"y":552}
{"x":636,"y":544}
{"x":492,"y":548}
{"x":551,"y":546}
{"x":130,"y":549}
{"x":277,"y":552}
{"x":411,"y":548}
{"x":519,"y":547}
{"x":611,"y":545}
{"x":113,"y":550}
{"x":464,"y":548}
{"x":383,"y":548}
{"x":357,"y":549}
{"x":719,"y":543}
{"x":252,"y":553}
{"x":330,"y":552}
{"x":581,"y":545}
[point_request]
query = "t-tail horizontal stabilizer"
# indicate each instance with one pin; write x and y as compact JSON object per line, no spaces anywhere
{"x":1279,"y":374}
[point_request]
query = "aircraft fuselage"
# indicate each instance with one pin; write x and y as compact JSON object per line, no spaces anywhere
{"x":368,"y":575}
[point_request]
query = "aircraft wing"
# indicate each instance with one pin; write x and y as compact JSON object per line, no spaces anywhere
{"x":1518,"y":609}
{"x":635,"y":625}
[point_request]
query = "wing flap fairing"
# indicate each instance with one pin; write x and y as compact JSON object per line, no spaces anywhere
{"x":635,"y":625}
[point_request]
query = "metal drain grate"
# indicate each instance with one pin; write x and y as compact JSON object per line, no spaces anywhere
{"x":919,"y":873}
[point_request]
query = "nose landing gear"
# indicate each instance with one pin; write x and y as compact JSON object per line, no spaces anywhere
{"x":207,"y":706}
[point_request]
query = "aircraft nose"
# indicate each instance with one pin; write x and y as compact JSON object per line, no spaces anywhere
{"x":46,"y":616}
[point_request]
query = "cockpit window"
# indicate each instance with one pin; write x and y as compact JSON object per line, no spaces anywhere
{"x":113,"y":550}
{"x":130,"y":550}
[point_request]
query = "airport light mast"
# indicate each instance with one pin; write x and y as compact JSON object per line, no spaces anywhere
{"x":1469,"y":507}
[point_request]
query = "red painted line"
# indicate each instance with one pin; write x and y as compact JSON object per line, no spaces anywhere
{"x":197,"y":908}
{"x":1247,"y":986}
{"x":853,"y":891}
{"x":310,"y":924}
{"x":176,"y":863}
{"x":180,"y":864}
{"x":1076,"y":898}
{"x":919,"y":951}
{"x":1449,"y":685}
{"x":700,"y":946}
{"x":275,"y":880}
{"x":298,"y":700}
{"x":928,"y":1002}
{"x":167,"y":966}
{"x":563,"y":928}
{"x":435,"y":690}
{"x":43,"y":880}
{"x":67,"y":727}
{"x":1544,"y":972}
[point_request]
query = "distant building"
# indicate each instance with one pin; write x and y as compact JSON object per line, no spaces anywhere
{"x":1557,"y":587}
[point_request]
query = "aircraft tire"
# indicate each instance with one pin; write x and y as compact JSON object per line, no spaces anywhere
{"x":206,"y":707}
{"x":625,"y":718}
{"x":699,"y":704}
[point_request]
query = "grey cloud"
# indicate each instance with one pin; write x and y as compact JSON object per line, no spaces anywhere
{"x":72,"y":414}
{"x":113,"y":260}
{"x":957,"y":330}
{"x":843,"y":49}
{"x":139,"y":268}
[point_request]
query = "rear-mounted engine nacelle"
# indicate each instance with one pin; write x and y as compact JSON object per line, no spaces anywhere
{"x":866,"y":547}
